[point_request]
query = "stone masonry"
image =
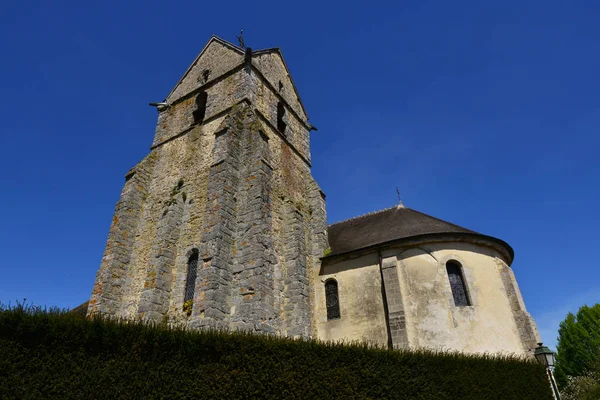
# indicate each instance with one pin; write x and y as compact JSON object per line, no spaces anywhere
{"x":395,"y":306}
{"x":526,"y":326}
{"x":230,"y":187}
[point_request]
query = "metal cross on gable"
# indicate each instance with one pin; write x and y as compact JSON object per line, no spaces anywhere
{"x":241,"y":39}
{"x":399,"y":199}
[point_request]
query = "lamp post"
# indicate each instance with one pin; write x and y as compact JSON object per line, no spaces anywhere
{"x":546,"y":357}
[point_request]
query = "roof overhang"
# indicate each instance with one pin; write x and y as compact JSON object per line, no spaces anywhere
{"x":500,"y":246}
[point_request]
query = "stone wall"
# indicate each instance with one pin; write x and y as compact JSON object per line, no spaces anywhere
{"x":296,"y":133}
{"x":235,"y":190}
{"x":526,"y":326}
{"x":270,"y":64}
{"x":218,"y":58}
{"x":117,"y":273}
{"x":395,"y":303}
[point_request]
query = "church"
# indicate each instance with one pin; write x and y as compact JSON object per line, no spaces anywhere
{"x":222,"y":225}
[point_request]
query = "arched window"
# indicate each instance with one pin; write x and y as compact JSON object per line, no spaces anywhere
{"x":190,"y":283}
{"x":281,"y":125}
{"x":332,"y":299}
{"x":200,"y":107}
{"x":457,"y":284}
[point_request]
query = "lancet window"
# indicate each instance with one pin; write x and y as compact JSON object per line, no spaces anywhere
{"x":332,"y":299}
{"x":190,"y":283}
{"x":457,"y":284}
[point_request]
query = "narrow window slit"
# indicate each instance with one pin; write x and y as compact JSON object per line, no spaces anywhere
{"x":281,"y":125}
{"x":200,"y":107}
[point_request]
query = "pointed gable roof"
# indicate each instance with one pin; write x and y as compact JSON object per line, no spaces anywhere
{"x":218,"y":55}
{"x":395,"y":224}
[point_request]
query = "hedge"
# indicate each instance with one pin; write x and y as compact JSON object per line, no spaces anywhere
{"x":54,"y":354}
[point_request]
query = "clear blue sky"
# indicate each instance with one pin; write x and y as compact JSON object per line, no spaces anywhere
{"x":485,"y":114}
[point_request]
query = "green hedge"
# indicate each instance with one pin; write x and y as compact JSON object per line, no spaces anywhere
{"x":61,"y":355}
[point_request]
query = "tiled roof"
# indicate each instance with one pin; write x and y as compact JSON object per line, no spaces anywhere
{"x":394,"y":224}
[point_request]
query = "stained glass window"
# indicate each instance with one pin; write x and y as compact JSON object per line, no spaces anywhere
{"x":332,"y":299}
{"x":190,"y":282}
{"x":457,"y":284}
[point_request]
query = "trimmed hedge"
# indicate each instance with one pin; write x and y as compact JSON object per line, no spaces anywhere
{"x":61,"y":355}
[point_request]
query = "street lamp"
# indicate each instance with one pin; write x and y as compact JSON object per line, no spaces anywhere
{"x":545,"y":356}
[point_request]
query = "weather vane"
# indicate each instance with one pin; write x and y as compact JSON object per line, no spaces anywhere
{"x":241,"y":39}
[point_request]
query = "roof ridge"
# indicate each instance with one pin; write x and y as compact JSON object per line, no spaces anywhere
{"x":225,"y":42}
{"x":369,"y":213}
{"x":267,"y":50}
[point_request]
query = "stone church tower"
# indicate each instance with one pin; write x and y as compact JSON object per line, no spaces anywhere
{"x":222,"y":225}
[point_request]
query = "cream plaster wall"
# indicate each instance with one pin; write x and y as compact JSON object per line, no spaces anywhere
{"x":432,"y":319}
{"x":361,"y":305}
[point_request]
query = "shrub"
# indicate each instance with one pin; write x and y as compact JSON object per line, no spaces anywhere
{"x":59,"y":355}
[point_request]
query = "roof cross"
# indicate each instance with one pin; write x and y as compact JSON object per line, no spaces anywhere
{"x":399,"y":199}
{"x":241,"y":39}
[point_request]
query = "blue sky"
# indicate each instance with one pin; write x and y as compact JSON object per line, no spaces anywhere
{"x":484,"y":114}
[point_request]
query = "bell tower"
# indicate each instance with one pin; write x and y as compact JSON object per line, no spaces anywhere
{"x":221,"y":224}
